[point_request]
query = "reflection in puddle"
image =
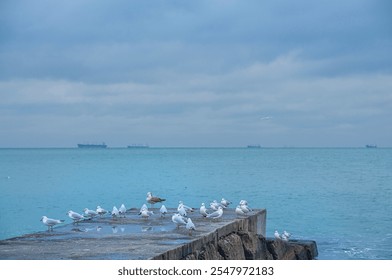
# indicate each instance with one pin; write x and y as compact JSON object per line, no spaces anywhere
{"x":147,"y":228}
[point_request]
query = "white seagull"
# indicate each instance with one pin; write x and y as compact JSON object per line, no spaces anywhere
{"x":163,"y":211}
{"x":239,"y":211}
{"x":122,"y":210}
{"x":217,"y":214}
{"x":178,"y":220}
{"x":277,"y":235}
{"x":187,"y":208}
{"x":115,"y":212}
{"x":144,"y":207}
{"x":51,"y":222}
{"x":285,"y":235}
{"x":225,"y":202}
{"x":190,"y":226}
{"x":146,"y":214}
{"x":215,"y":205}
{"x":182,"y":211}
{"x":90,"y":213}
{"x":203,"y":210}
{"x":244,"y":206}
{"x":76,"y":217}
{"x":101,"y":211}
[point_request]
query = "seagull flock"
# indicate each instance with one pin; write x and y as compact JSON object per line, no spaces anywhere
{"x":284,"y":236}
{"x":179,"y":218}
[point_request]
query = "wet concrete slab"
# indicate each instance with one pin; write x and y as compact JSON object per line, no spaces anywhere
{"x":131,"y":237}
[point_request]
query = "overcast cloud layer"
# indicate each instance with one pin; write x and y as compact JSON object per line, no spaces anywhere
{"x":195,"y":73}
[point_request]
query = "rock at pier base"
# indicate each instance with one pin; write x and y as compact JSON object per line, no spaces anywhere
{"x":249,"y":246}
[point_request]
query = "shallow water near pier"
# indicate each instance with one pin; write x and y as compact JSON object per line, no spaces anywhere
{"x":339,"y":197}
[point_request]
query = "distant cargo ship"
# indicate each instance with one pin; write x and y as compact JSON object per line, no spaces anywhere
{"x":138,"y":146}
{"x":371,"y":146}
{"x":92,"y":146}
{"x":253,"y":146}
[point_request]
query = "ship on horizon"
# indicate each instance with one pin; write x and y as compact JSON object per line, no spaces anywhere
{"x":138,"y":146}
{"x":92,"y":146}
{"x":371,"y":146}
{"x":256,"y":146}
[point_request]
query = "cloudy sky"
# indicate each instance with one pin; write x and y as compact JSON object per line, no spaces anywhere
{"x":195,"y":73}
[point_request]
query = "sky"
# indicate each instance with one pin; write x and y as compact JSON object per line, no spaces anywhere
{"x":208,"y":73}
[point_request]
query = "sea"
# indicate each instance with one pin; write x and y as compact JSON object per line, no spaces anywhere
{"x":339,"y":197}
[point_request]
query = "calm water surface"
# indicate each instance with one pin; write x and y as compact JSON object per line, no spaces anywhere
{"x":339,"y":197}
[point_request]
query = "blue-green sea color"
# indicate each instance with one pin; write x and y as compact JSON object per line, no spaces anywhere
{"x":339,"y":197}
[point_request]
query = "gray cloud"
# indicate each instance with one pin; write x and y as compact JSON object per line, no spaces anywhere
{"x":195,"y":72}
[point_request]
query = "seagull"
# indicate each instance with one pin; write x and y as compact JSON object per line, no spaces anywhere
{"x":144,"y":207}
{"x":277,"y":235}
{"x":90,"y":213}
{"x":163,"y":211}
{"x":115,"y":212}
{"x":182,"y":211}
{"x":239,"y":211}
{"x":244,"y":206}
{"x":101,"y":211}
{"x":190,"y":226}
{"x":215,"y":205}
{"x":153,"y":199}
{"x":243,"y":202}
{"x":51,"y":222}
{"x":187,"y":208}
{"x":217,"y":214}
{"x":122,"y":210}
{"x":285,"y":235}
{"x":225,"y":202}
{"x":76,"y":217}
{"x":146,"y":214}
{"x":203,"y":210}
{"x":178,"y":220}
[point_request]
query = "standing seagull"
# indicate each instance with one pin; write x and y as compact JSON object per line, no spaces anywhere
{"x":203,"y":210}
{"x":122,"y":210}
{"x":90,"y":213}
{"x":153,"y":199}
{"x":101,"y":211}
{"x":217,"y":214}
{"x":144,"y":207}
{"x":244,"y":206}
{"x":115,"y":212}
{"x":190,"y":226}
{"x":182,"y":211}
{"x":178,"y":220}
{"x":76,"y":217}
{"x":163,"y":211}
{"x":225,"y":202}
{"x":146,"y":214}
{"x":239,"y":211}
{"x":187,"y":208}
{"x":285,"y":235}
{"x":277,"y":235}
{"x":51,"y":222}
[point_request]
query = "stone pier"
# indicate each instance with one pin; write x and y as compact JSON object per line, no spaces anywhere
{"x":157,"y":238}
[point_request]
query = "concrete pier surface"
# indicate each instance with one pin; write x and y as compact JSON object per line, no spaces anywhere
{"x":128,"y":238}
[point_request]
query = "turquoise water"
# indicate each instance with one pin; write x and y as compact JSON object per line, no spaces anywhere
{"x":339,"y":197}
